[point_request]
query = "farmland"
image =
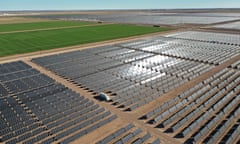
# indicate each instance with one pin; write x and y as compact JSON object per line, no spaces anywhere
{"x":39,"y":25}
{"x":30,"y":41}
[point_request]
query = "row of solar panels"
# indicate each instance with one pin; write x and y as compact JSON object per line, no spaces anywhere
{"x":138,"y":72}
{"x":135,"y":77}
{"x":129,"y":134}
{"x":36,"y":109}
{"x":233,"y":26}
{"x":236,"y":65}
{"x":175,"y":46}
{"x":209,"y":37}
{"x":18,"y":77}
{"x":150,"y":18}
{"x":206,"y":113}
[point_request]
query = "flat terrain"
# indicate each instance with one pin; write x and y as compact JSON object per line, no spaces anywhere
{"x":150,"y":18}
{"x":50,"y":35}
{"x":39,"y":25}
{"x":233,"y":26}
{"x":51,"y":71}
{"x":12,"y":19}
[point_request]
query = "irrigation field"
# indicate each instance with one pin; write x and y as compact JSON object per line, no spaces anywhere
{"x":40,"y":25}
{"x":30,"y":37}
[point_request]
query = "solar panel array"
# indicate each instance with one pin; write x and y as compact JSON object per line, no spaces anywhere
{"x":138,"y":72}
{"x":132,"y":76}
{"x":210,"y":37}
{"x":205,"y":52}
{"x":234,"y":26}
{"x":236,"y":65}
{"x":150,"y":18}
{"x":129,"y":134}
{"x":18,"y":77}
{"x":36,"y":109}
{"x":166,"y":19}
{"x":208,"y":112}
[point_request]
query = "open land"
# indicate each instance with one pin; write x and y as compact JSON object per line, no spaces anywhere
{"x":12,"y":19}
{"x":39,"y":25}
{"x":177,"y":83}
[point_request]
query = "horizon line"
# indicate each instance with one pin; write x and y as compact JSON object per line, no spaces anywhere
{"x":117,"y":9}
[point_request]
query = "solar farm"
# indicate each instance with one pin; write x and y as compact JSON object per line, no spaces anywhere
{"x":165,"y":84}
{"x":151,"y":18}
{"x":234,"y":26}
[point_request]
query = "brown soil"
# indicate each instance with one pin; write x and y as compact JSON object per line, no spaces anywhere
{"x":8,"y":20}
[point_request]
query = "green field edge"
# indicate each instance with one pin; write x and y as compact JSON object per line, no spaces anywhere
{"x":20,"y":43}
{"x":41,"y":25}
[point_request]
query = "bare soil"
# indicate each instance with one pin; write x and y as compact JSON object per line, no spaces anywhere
{"x":8,"y":20}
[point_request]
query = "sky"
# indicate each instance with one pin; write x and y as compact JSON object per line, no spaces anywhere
{"x":114,"y":4}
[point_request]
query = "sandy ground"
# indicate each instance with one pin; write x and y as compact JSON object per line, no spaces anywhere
{"x":8,"y":20}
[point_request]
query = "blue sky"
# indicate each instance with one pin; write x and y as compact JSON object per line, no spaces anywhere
{"x":114,"y":4}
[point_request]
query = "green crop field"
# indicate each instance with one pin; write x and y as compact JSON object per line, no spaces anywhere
{"x":40,"y":25}
{"x":23,"y":42}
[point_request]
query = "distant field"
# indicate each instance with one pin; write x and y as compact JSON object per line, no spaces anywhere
{"x":11,"y":19}
{"x":23,"y":42}
{"x":40,"y":25}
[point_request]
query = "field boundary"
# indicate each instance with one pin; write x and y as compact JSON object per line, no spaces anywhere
{"x":79,"y":47}
{"x":56,"y":28}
